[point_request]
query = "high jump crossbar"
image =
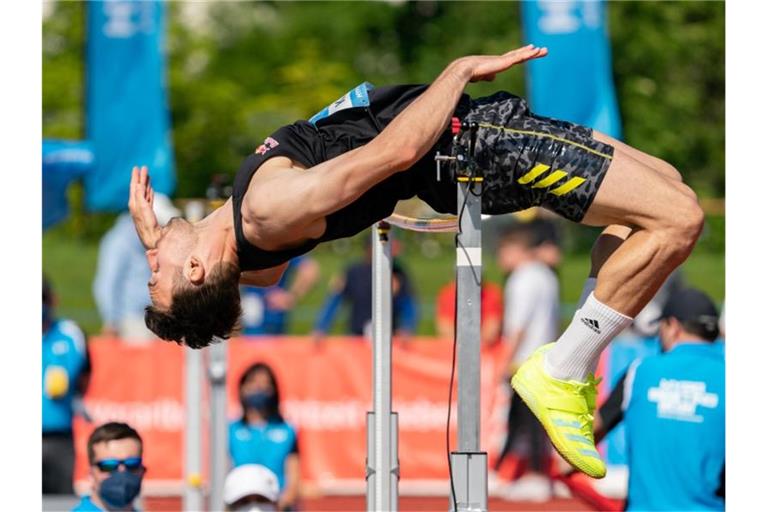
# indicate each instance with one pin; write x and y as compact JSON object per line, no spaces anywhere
{"x":468,"y":465}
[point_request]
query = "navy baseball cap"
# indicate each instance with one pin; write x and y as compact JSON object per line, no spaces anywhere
{"x":695,"y":310}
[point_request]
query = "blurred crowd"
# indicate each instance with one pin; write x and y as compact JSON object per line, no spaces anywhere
{"x":522,"y":313}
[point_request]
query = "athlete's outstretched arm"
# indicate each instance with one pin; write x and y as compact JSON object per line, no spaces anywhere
{"x":301,"y":197}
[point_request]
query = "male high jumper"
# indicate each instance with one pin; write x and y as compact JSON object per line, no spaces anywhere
{"x":345,"y":169}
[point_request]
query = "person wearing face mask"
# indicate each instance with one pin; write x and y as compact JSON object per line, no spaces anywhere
{"x":674,"y":403}
{"x":261,"y":436}
{"x":66,"y":369}
{"x":116,"y":469}
{"x":251,"y":488}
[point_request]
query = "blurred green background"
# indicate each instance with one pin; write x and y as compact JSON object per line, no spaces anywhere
{"x":237,"y":71}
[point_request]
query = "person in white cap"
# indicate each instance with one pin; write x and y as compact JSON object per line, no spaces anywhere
{"x":122,"y":273}
{"x":251,"y":488}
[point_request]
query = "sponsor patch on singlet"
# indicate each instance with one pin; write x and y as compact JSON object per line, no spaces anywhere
{"x":357,"y":97}
{"x":269,"y":143}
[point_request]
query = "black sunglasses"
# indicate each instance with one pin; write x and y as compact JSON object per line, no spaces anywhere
{"x":112,"y":465}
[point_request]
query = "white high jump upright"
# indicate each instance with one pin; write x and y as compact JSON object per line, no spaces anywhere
{"x":382,"y":465}
{"x":217,"y":391}
{"x":469,"y":466}
{"x":193,"y":498}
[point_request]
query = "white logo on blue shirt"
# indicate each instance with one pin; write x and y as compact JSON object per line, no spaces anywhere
{"x":278,"y":435}
{"x":243,"y":434}
{"x":60,"y":347}
{"x":678,"y":399}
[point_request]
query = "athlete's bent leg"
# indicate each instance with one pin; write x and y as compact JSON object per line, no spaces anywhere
{"x":606,"y":244}
{"x":613,"y":236}
{"x":667,"y":221}
{"x":661,"y":220}
{"x":659,"y":165}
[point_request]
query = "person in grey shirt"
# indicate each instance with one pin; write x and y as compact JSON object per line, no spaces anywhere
{"x":531,"y":319}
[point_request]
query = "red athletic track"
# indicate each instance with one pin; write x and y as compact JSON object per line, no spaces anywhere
{"x":407,"y":503}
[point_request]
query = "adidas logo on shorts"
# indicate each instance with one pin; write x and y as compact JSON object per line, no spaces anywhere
{"x":592,"y":324}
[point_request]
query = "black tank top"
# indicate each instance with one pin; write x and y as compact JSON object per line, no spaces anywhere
{"x":312,"y":143}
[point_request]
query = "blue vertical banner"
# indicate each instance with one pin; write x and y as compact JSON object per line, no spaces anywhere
{"x":574,"y":81}
{"x":127,"y":118}
{"x":64,"y":161}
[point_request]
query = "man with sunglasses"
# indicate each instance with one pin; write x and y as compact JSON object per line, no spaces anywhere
{"x":116,"y":469}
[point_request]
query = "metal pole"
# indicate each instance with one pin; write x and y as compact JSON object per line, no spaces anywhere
{"x":217,"y":377}
{"x":468,"y":270}
{"x":193,"y":376}
{"x":382,"y":472}
{"x":193,"y":441}
{"x":469,"y":465}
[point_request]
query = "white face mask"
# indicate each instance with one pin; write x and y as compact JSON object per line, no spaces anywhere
{"x":256,"y":507}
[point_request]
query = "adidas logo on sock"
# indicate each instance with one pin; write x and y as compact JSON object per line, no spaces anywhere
{"x":592,"y":324}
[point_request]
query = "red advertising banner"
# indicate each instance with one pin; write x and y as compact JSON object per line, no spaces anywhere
{"x":325,"y":393}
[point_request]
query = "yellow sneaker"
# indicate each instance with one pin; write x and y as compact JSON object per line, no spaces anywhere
{"x":564,"y":409}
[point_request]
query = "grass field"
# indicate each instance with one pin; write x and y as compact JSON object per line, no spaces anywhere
{"x":70,"y":264}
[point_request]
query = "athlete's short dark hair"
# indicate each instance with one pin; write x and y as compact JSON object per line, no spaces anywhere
{"x":198,"y":313}
{"x":111,"y":431}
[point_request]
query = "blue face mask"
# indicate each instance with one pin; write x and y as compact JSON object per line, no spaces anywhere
{"x":264,"y":402}
{"x":120,"y":489}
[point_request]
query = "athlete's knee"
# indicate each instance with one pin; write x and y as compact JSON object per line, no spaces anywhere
{"x":684,"y":227}
{"x":692,"y":222}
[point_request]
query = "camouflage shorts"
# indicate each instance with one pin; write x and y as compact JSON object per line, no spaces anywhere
{"x":529,"y":160}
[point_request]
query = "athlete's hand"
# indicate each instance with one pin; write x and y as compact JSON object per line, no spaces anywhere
{"x":485,"y":67}
{"x":140,"y":204}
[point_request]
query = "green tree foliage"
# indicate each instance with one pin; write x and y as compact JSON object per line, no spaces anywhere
{"x":242,"y":69}
{"x":63,"y":72}
{"x":669,"y":69}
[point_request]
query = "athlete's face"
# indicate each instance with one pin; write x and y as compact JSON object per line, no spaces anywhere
{"x":166,"y":260}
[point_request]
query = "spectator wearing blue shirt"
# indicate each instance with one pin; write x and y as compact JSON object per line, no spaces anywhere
{"x":265,"y":310}
{"x":116,"y":469}
{"x":673,"y":408}
{"x":65,"y":375}
{"x":356,"y":287}
{"x":262,"y":436}
{"x":122,"y":273}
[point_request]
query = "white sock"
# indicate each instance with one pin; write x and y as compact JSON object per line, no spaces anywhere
{"x":589,"y":287}
{"x":577,"y":351}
